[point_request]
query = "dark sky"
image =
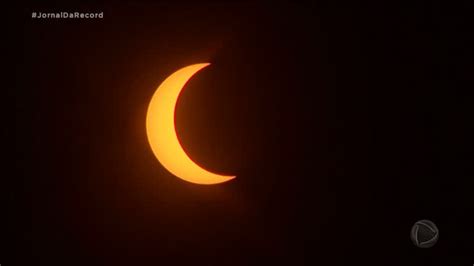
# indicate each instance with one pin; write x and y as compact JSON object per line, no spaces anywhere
{"x":345,"y":124}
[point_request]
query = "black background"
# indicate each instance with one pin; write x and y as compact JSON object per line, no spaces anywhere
{"x":344,"y":124}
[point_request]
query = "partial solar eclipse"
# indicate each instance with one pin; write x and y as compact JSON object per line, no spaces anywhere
{"x":161,"y":132}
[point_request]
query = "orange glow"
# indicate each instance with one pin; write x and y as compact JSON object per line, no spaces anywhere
{"x":162,"y":133}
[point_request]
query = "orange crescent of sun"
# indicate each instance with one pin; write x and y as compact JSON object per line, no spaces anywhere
{"x":161,"y":132}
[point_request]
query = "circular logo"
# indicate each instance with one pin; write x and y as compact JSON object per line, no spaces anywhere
{"x":424,"y":234}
